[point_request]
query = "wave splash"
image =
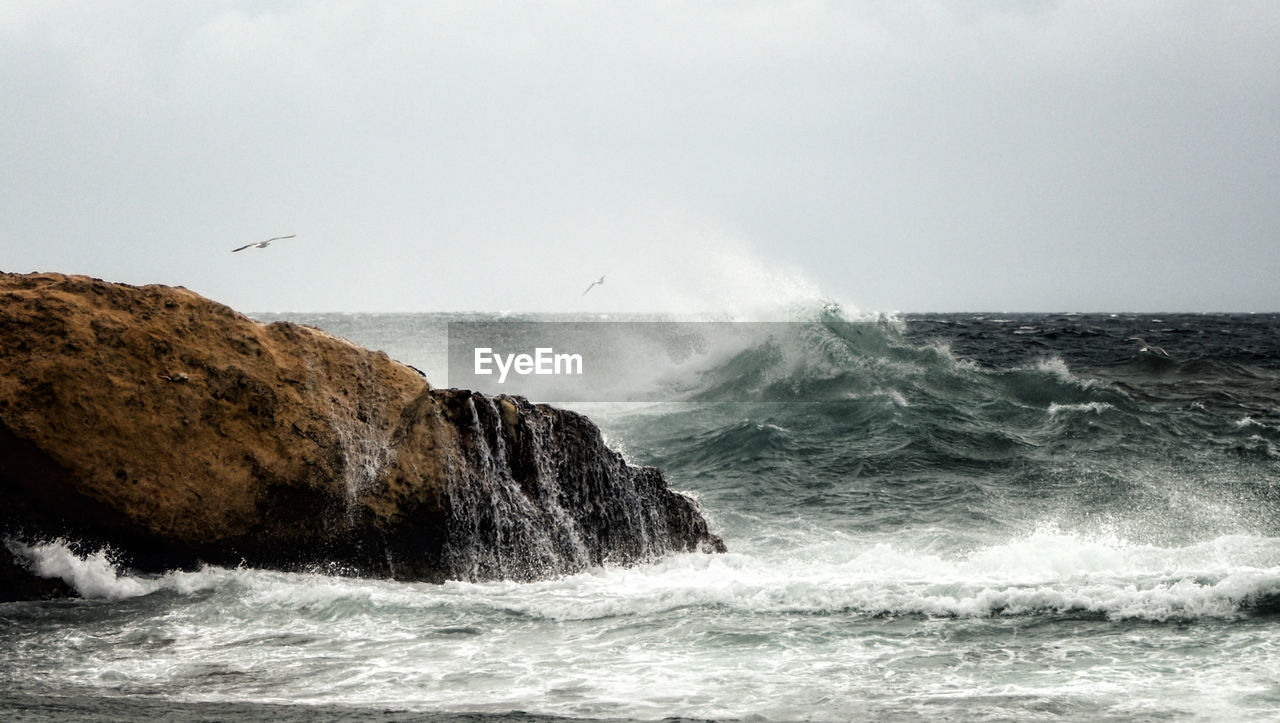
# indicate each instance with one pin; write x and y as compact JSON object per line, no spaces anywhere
{"x":821,"y":353}
{"x":96,"y":575}
{"x":1046,"y":573}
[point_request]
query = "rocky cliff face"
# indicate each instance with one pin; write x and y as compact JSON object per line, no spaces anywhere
{"x":178,"y":431}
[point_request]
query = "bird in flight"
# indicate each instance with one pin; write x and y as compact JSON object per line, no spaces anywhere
{"x":263,"y":244}
{"x":1146,"y":348}
{"x":594,"y":284}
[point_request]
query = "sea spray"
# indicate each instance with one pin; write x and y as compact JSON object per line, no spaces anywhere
{"x":97,"y":575}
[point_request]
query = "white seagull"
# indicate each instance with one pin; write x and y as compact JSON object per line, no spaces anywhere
{"x":594,"y":284}
{"x":262,"y":244}
{"x":1149,"y":348}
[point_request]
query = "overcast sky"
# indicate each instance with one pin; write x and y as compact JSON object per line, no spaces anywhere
{"x":962,"y":155}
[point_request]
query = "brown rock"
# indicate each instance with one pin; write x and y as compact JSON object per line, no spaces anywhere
{"x":179,"y":431}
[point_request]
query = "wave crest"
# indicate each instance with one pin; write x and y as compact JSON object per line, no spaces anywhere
{"x":95,"y":575}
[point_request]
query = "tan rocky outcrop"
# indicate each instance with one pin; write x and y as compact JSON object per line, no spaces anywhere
{"x":179,"y":431}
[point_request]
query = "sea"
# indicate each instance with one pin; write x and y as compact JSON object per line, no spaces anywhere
{"x":928,"y":517}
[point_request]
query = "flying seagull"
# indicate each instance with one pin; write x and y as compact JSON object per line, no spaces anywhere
{"x":1149,"y":348}
{"x":262,"y":244}
{"x":594,"y":284}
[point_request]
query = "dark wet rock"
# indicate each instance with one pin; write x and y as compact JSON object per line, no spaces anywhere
{"x":18,"y":583}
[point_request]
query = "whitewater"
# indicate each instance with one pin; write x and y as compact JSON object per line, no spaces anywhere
{"x":965,"y":517}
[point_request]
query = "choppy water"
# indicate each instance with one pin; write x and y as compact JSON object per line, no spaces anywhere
{"x":1018,"y":517}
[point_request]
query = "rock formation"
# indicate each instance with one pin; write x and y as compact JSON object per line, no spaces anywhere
{"x":178,"y":432}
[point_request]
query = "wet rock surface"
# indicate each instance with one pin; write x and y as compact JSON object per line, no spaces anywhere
{"x":179,"y":432}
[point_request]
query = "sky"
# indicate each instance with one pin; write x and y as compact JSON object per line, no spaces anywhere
{"x":891,"y":155}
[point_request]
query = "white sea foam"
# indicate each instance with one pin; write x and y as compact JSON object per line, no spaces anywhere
{"x":1048,"y":571}
{"x":95,"y":575}
{"x":695,"y":635}
{"x":1087,"y":407}
{"x":1057,"y":368}
{"x":894,"y":396}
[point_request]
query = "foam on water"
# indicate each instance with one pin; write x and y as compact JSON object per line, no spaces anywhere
{"x":1043,"y":573}
{"x":801,"y":633}
{"x":95,"y":575}
{"x":1048,"y":571}
{"x":1058,"y":369}
{"x":1087,"y":407}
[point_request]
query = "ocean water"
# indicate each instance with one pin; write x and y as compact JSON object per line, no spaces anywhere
{"x":958,"y":517}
